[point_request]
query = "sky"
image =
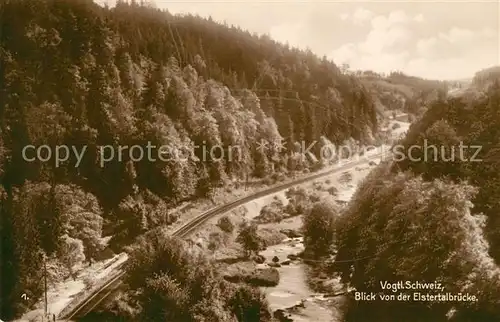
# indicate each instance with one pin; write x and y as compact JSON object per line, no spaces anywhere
{"x":435,"y":40}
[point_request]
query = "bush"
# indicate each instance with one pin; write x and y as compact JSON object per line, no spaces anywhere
{"x":268,"y":181}
{"x":318,"y":186}
{"x":333,"y":191}
{"x":315,"y":197}
{"x":396,"y":126}
{"x":89,"y":282}
{"x":274,"y":212}
{"x":225,"y":224}
{"x":215,"y":241}
{"x":278,"y":177}
{"x":316,"y":166}
{"x":346,"y":177}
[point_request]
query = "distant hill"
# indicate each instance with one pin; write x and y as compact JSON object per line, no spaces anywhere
{"x":472,"y":89}
{"x":486,"y":77}
{"x":398,"y":91}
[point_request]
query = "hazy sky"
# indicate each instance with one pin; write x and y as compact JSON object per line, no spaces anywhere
{"x":444,"y":40}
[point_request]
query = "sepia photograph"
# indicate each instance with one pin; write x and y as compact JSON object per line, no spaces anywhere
{"x":249,"y":161}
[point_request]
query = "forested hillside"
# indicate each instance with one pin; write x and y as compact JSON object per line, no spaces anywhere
{"x":486,"y":77}
{"x":79,"y":75}
{"x":431,"y":216}
{"x":398,"y":91}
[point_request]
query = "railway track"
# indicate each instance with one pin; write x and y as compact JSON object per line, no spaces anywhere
{"x":104,"y":291}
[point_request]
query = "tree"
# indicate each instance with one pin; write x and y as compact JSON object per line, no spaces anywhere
{"x":71,"y":253}
{"x":82,"y":218}
{"x":49,"y":217}
{"x":249,"y":239}
{"x":319,"y":228}
{"x":262,"y":164}
{"x":24,"y":269}
{"x":298,"y":201}
{"x":204,"y":186}
{"x":345,"y":68}
{"x":164,"y":297}
{"x":131,"y":214}
{"x":249,"y":304}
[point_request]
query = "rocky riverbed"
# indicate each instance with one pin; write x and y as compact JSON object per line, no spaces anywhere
{"x":292,"y":297}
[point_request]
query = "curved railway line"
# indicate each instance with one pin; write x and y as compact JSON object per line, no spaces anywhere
{"x":89,"y":304}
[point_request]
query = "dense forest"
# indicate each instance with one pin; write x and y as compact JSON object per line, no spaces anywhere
{"x":431,"y":215}
{"x":75,"y":74}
